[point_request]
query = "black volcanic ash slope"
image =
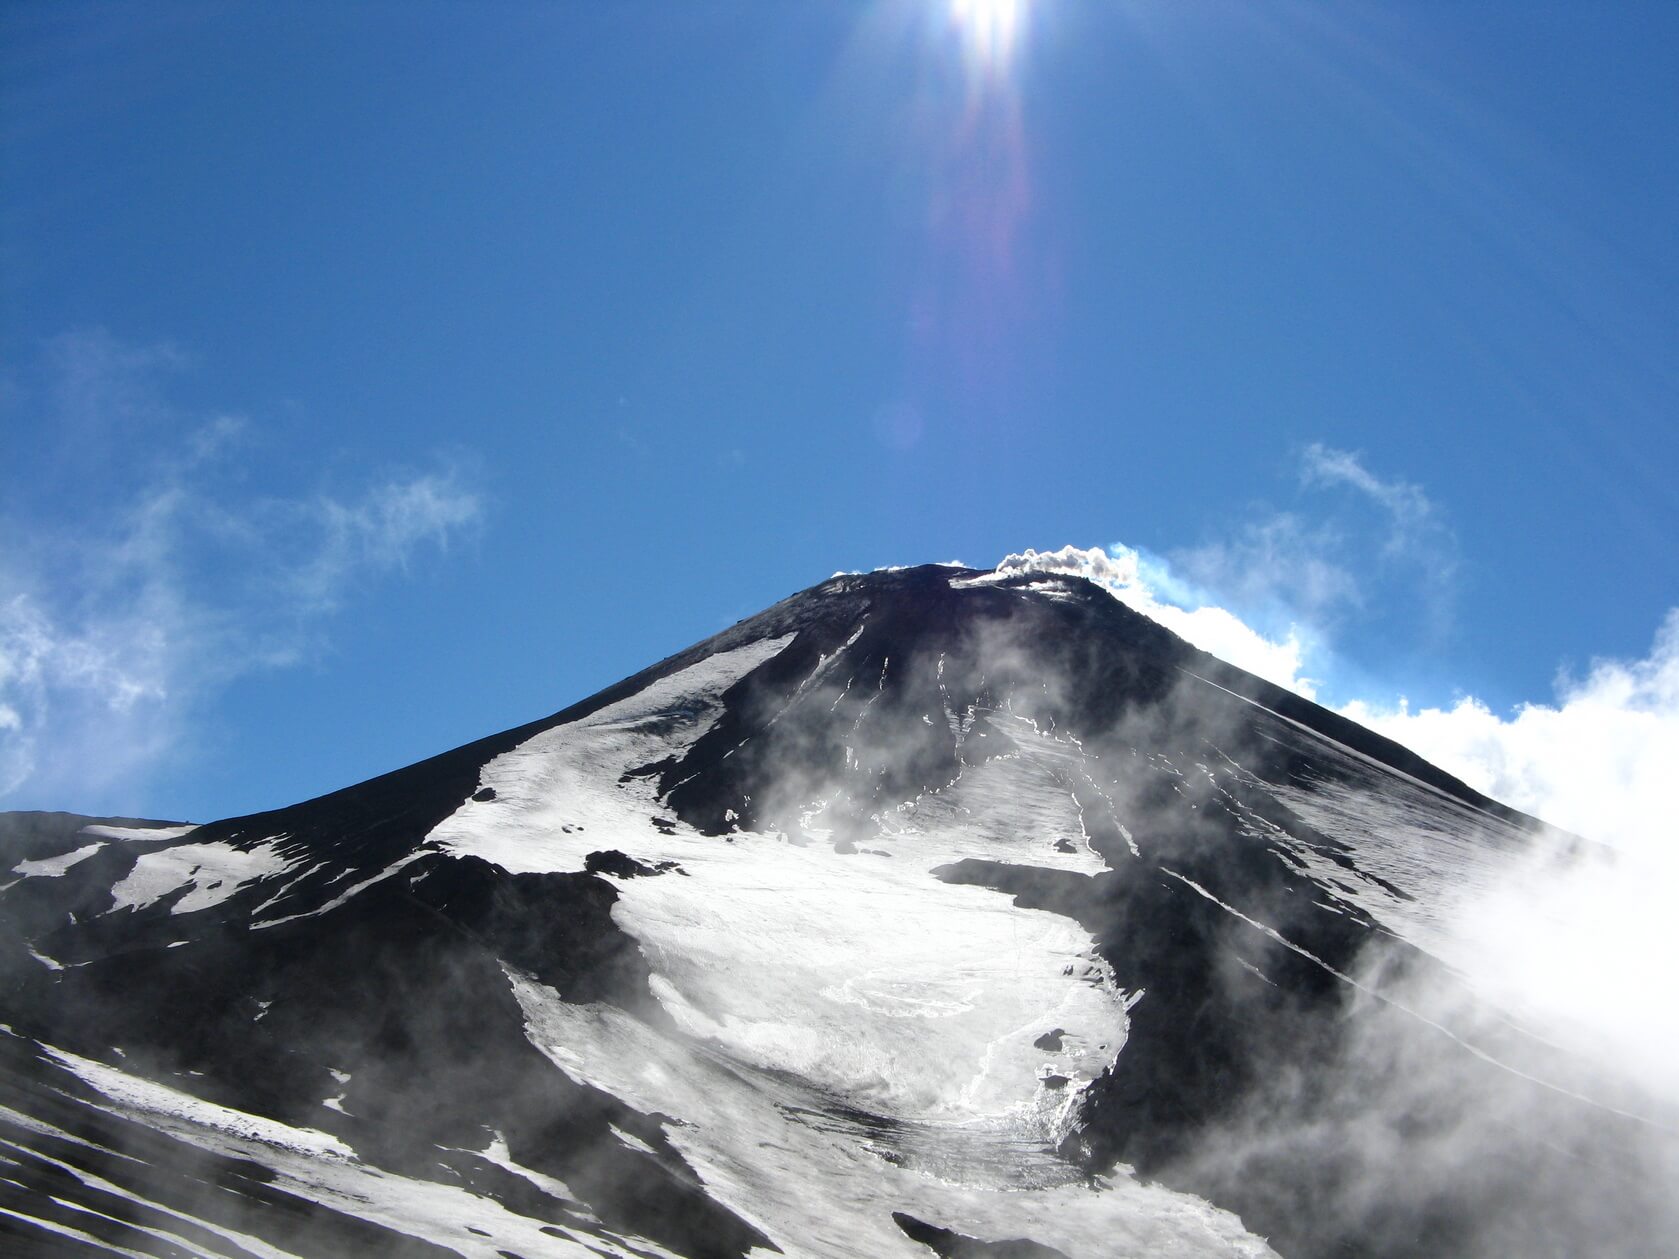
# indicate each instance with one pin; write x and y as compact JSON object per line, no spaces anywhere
{"x":1249,"y":853}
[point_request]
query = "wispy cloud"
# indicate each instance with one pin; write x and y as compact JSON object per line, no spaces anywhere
{"x":1409,"y":545}
{"x":121,"y":620}
{"x":1278,"y":570}
{"x":381,"y":531}
{"x":1411,"y":513}
{"x":62,"y":689}
{"x":1358,"y":551}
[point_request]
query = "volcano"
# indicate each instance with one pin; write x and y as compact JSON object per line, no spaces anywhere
{"x":930,"y":911}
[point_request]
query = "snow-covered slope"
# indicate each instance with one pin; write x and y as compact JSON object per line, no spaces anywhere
{"x":926,"y":912}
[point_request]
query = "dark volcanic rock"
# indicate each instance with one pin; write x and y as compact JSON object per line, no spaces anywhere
{"x":951,"y":1245}
{"x":611,"y":861}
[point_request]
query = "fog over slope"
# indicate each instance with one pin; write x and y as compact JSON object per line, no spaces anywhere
{"x":1574,"y":937}
{"x":930,"y":911}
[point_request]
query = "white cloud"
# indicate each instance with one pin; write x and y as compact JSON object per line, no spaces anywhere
{"x":1599,"y":761}
{"x":100,"y":669}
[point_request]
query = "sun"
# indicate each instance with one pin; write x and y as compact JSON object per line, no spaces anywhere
{"x":989,"y":28}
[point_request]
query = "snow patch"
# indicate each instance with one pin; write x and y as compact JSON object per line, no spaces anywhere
{"x":51,"y":867}
{"x":160,"y":1101}
{"x":561,"y":795}
{"x":214,"y":870}
{"x":99,"y":831}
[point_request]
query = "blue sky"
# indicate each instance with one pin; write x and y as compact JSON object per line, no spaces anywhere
{"x":377,"y":376}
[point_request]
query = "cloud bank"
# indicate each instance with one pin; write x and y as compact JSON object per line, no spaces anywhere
{"x":1598,"y":760}
{"x":1583,"y":946}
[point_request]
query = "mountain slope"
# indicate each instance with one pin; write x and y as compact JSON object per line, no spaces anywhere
{"x":929,"y":911}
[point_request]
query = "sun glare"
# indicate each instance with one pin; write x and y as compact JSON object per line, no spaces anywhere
{"x":989,"y":27}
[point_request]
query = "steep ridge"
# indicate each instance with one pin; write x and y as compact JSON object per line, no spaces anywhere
{"x":929,"y":911}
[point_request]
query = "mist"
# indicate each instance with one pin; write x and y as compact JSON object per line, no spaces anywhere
{"x":1503,"y":1074}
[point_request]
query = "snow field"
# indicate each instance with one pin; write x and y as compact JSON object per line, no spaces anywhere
{"x":868,"y":976}
{"x":823,"y":1183}
{"x":859,"y":1033}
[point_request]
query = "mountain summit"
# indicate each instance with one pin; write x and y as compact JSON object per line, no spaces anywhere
{"x":930,"y":911}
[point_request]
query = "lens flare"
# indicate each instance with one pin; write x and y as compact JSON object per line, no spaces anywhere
{"x":980,"y":287}
{"x":990,"y":29}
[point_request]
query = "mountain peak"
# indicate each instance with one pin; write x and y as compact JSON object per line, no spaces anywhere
{"x":925,"y":910}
